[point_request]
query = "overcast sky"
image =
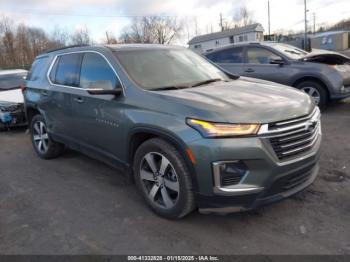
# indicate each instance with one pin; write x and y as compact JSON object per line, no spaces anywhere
{"x":100,"y":16}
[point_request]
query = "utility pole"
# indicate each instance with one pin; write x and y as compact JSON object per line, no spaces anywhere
{"x":269,"y":21}
{"x":314,"y":14}
{"x":221,"y":23}
{"x":305,"y":18}
{"x":107,"y":37}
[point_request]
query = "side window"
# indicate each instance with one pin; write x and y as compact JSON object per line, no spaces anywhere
{"x":256,"y":55}
{"x":96,"y":73}
{"x":232,"y":55}
{"x":66,"y":70}
{"x":37,"y":70}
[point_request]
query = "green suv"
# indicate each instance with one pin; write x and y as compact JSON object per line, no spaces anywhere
{"x":191,"y":135}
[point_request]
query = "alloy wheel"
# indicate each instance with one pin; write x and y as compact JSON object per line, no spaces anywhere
{"x":313,"y":92}
{"x":159,"y":180}
{"x":40,"y":137}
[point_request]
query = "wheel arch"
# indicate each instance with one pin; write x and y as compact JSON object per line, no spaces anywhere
{"x":31,"y":111}
{"x":141,"y":134}
{"x":314,"y":79}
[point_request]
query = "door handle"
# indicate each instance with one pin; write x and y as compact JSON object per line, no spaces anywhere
{"x":250,"y":70}
{"x":44,"y":93}
{"x":78,"y":100}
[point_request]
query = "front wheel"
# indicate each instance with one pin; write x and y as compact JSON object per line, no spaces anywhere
{"x":316,"y":91}
{"x":163,"y":179}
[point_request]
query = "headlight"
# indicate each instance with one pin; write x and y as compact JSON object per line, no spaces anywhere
{"x":210,"y":129}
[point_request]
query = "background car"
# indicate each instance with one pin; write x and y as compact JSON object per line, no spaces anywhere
{"x":324,"y":75}
{"x":12,"y":111}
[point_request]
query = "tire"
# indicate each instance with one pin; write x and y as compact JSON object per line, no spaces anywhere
{"x":43,"y":145}
{"x":166,"y":185}
{"x":316,"y":91}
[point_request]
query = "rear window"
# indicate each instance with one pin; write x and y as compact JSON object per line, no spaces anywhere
{"x":232,"y":55}
{"x":37,"y":70}
{"x":66,"y":70}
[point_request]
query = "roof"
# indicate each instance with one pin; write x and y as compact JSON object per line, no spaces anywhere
{"x":120,"y":47}
{"x":329,"y":33}
{"x":226,"y":33}
{"x":243,"y":44}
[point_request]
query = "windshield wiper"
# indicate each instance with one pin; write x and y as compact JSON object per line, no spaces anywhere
{"x":206,"y":82}
{"x":175,"y":87}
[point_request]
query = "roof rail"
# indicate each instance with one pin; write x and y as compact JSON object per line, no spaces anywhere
{"x":62,"y":48}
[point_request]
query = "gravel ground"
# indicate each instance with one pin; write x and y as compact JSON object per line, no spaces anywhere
{"x":76,"y":205}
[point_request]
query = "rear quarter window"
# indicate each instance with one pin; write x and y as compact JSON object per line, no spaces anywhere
{"x":232,"y":55}
{"x":37,"y":71}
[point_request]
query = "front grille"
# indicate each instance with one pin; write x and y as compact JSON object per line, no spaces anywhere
{"x":294,"y":137}
{"x":291,"y":181}
{"x":11,"y":108}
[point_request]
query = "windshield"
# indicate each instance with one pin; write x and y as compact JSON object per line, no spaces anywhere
{"x":291,"y":52}
{"x":160,"y":68}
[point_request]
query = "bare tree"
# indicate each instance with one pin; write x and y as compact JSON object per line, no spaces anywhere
{"x":20,"y":44}
{"x":81,"y":37}
{"x":153,"y":29}
{"x":59,"y":36}
{"x":243,"y":17}
{"x":110,"y":39}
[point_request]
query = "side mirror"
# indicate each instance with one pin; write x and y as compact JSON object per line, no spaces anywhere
{"x":276,"y":61}
{"x":102,"y":87}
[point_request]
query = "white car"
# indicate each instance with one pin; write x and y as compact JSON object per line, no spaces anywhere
{"x":12,"y":111}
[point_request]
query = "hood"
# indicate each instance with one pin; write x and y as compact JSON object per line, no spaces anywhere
{"x":12,"y":96}
{"x":245,"y":100}
{"x":326,"y":57}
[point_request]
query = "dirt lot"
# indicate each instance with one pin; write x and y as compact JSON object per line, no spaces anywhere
{"x":76,"y":205}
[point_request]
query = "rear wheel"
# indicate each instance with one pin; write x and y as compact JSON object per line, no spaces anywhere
{"x":316,"y":91}
{"x":163,"y":179}
{"x":44,"y":146}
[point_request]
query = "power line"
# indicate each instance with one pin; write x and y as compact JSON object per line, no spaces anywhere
{"x":48,"y":13}
{"x":269,"y":21}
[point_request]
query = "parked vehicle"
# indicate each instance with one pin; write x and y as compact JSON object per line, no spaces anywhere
{"x":324,"y":75}
{"x":12,"y":111}
{"x":191,"y":135}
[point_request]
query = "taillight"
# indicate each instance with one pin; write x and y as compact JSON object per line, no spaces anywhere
{"x":23,"y":87}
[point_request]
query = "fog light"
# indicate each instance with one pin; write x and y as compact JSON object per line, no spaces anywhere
{"x":230,"y":173}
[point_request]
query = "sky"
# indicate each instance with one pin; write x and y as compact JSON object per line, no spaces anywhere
{"x":114,"y":16}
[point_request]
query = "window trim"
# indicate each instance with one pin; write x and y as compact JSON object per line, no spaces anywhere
{"x":81,"y":52}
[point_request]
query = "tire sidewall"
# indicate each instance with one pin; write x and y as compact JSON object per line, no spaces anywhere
{"x":181,"y":171}
{"x":322,"y":91}
{"x":35,"y":119}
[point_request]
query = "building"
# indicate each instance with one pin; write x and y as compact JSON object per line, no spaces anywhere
{"x":332,"y":40}
{"x":203,"y":43}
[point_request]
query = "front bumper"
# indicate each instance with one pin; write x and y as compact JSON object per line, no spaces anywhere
{"x":264,"y":183}
{"x":342,"y":95}
{"x":11,"y":115}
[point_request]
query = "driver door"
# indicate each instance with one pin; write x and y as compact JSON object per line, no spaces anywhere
{"x":264,"y":64}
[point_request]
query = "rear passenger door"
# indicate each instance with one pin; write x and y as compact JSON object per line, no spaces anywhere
{"x":231,"y":59}
{"x":64,"y":79}
{"x":96,"y":118}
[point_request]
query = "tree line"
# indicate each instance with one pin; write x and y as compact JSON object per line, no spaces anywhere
{"x":20,"y":44}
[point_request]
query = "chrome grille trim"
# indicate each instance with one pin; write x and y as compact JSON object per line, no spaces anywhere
{"x":292,"y":138}
{"x":298,"y":119}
